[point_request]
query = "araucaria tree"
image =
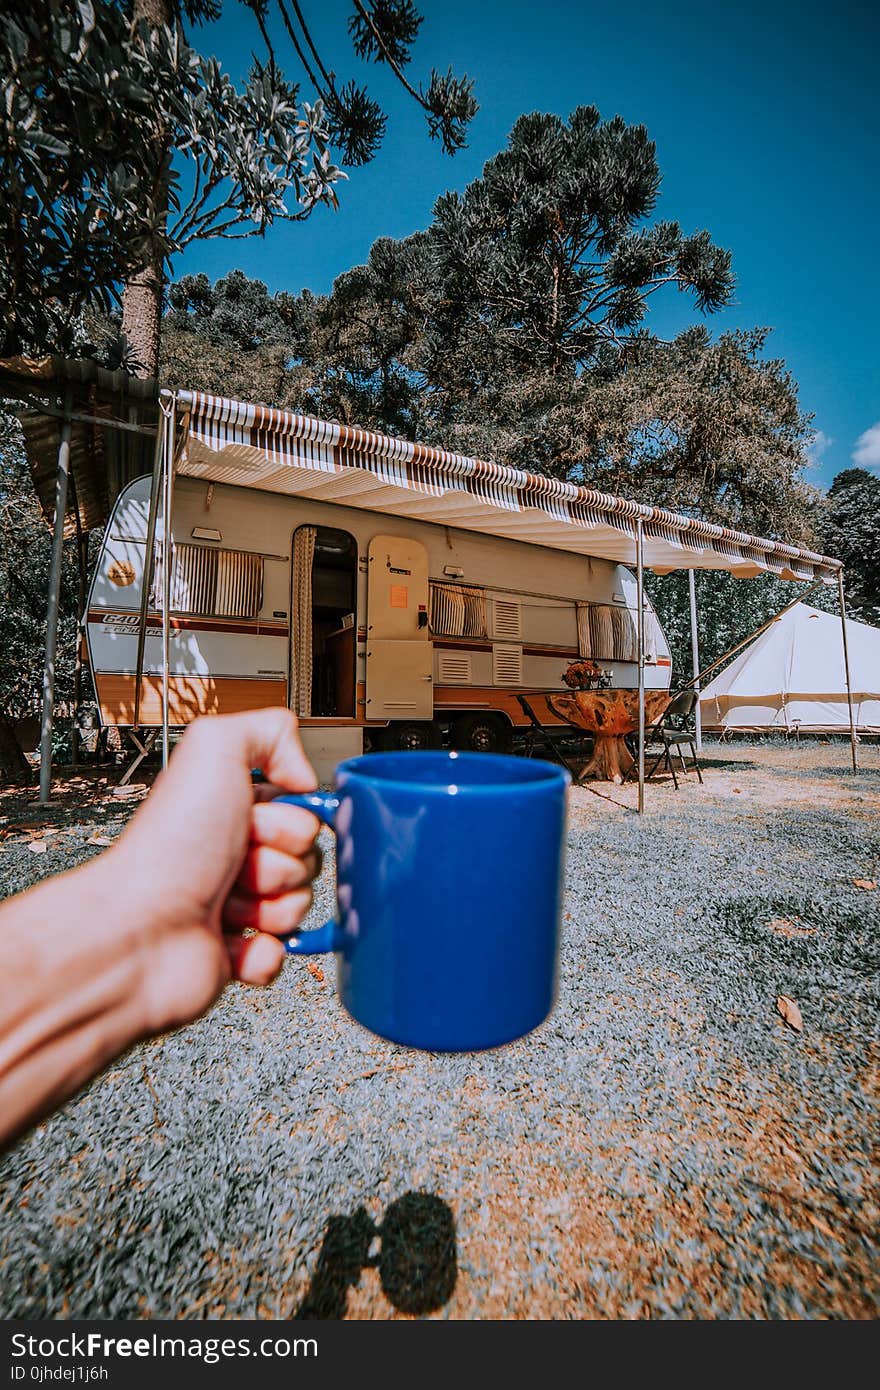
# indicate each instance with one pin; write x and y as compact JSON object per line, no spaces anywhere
{"x":544,"y":259}
{"x":121,"y":144}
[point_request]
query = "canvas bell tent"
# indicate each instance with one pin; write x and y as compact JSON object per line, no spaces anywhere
{"x":793,"y":678}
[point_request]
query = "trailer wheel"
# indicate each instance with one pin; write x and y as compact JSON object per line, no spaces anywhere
{"x":481,"y":733}
{"x":410,"y":737}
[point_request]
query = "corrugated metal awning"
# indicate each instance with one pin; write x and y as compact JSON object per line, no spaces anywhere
{"x":282,"y":452}
{"x":102,"y":459}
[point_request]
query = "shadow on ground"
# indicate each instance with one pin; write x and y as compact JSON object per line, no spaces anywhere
{"x":416,"y":1261}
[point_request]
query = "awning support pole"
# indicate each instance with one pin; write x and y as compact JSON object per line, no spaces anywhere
{"x":167,"y":485}
{"x":640,"y":599}
{"x":150,"y":546}
{"x":82,"y":567}
{"x":853,"y":741}
{"x":62,"y":477}
{"x":695,"y":653}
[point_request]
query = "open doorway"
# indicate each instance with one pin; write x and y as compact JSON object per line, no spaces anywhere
{"x":324,"y":608}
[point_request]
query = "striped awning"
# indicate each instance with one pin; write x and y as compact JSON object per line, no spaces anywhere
{"x":279,"y":451}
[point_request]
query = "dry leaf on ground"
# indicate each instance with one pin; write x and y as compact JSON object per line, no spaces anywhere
{"x":38,"y":846}
{"x":790,"y":1012}
{"x":99,"y":840}
{"x":314,"y":970}
{"x":790,"y":927}
{"x":868,"y":883}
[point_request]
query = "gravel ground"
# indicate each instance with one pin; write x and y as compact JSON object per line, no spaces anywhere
{"x":665,"y":1146}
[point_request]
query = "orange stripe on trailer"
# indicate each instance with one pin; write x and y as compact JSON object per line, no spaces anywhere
{"x":452,"y":698}
{"x":188,"y":697}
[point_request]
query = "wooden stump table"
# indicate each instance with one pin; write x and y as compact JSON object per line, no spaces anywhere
{"x":610,"y":715}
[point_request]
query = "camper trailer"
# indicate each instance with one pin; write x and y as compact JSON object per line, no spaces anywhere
{"x":379,"y":630}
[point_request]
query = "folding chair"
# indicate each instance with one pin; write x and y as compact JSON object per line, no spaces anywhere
{"x":543,"y":738}
{"x":672,"y":731}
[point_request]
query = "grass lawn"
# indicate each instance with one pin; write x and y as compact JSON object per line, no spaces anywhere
{"x":664,"y":1146}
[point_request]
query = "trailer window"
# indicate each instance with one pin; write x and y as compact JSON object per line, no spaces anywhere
{"x":457,"y":610}
{"x":608,"y":633}
{"x":211,"y":583}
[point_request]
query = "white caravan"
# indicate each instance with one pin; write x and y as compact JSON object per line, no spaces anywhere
{"x":364,"y":622}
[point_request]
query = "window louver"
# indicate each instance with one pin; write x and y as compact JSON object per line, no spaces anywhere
{"x":454,"y":668}
{"x":607,"y":633}
{"x":506,"y":665}
{"x":506,"y":618}
{"x":211,"y":583}
{"x":457,"y":610}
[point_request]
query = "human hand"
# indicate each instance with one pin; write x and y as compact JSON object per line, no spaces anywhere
{"x":208,"y":855}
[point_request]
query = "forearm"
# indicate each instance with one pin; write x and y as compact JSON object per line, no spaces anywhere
{"x":71,"y":989}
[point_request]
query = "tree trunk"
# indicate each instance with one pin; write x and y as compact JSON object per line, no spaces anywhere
{"x":14,"y":766}
{"x":142,"y":315}
{"x":142,"y":295}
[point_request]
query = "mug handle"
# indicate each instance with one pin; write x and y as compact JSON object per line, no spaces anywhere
{"x":324,"y":805}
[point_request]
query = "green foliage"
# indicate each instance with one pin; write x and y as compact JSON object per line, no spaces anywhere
{"x":514,"y":329}
{"x":234,"y":339}
{"x":92,"y":112}
{"x":123,"y":144}
{"x":728,"y":609}
{"x":76,"y":206}
{"x":711,"y":428}
{"x":398,"y":21}
{"x":850,"y":531}
{"x":365,"y":335}
{"x":541,"y":262}
{"x":25,"y":552}
{"x":237,"y":312}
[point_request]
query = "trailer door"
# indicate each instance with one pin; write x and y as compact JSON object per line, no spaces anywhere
{"x":399,"y":649}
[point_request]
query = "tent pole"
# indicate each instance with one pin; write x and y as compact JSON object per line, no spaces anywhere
{"x":167,"y":481}
{"x":853,"y":741}
{"x":62,"y":477}
{"x":640,"y":599}
{"x":695,"y":652}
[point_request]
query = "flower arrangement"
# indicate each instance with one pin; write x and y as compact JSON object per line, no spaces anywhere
{"x":583,"y":675}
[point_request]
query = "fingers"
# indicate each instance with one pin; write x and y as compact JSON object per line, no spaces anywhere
{"x":199,"y":811}
{"x":254,"y":959}
{"x":288,"y":829}
{"x":269,"y":739}
{"x":266,"y":872}
{"x":278,"y":916}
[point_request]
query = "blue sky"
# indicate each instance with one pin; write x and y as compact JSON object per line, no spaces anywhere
{"x":767,"y":127}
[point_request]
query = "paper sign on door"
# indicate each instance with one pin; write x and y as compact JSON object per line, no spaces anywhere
{"x":399,"y":594}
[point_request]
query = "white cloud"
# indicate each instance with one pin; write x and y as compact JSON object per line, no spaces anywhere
{"x":867,"y":451}
{"x":818,"y":446}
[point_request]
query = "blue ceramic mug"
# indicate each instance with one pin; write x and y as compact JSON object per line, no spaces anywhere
{"x":449,"y":887}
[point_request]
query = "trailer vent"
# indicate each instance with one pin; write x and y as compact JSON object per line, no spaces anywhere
{"x":211,"y":583}
{"x":507,"y":665}
{"x":454,"y":668}
{"x":506,"y":618}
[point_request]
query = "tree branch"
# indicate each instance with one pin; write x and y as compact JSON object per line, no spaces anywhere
{"x":398,"y":73}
